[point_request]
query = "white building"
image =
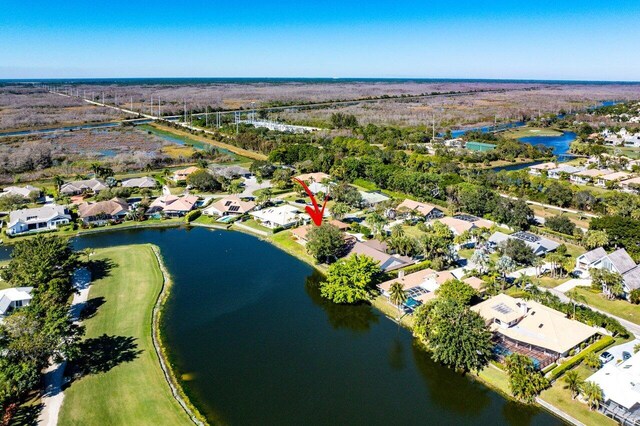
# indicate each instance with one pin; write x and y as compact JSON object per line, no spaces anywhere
{"x":284,"y":216}
{"x":14,"y":298}
{"x":43,"y":218}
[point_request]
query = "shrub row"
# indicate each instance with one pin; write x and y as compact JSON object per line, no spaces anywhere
{"x":577,"y":359}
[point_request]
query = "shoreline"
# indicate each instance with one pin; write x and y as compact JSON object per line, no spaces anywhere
{"x":174,"y":384}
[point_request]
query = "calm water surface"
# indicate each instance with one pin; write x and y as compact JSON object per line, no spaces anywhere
{"x":247,"y":327}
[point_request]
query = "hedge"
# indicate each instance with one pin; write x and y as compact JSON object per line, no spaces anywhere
{"x":577,"y":359}
{"x":193,"y":215}
{"x":425,"y":264}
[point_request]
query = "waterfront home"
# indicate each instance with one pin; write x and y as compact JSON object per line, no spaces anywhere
{"x":605,"y":180}
{"x":172,"y":205}
{"x":563,"y":171}
{"x":140,"y":182}
{"x":532,"y":329}
{"x":14,"y":298}
{"x":427,"y":211}
{"x":620,"y":393}
{"x":181,"y":175}
{"x":229,"y":206}
{"x":539,"y":245}
{"x":284,"y":216}
{"x":313,"y":177}
{"x":43,"y":218}
{"x":630,"y":185}
{"x":421,"y":286}
{"x":103,"y":212}
{"x":386,"y":261}
{"x":83,"y":186}
{"x":538,"y":169}
{"x":618,"y":261}
{"x":588,"y":176}
{"x":21,"y":191}
{"x":372,"y":198}
{"x":301,"y":232}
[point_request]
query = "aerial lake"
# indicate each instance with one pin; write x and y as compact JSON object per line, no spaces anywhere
{"x":255,"y":344}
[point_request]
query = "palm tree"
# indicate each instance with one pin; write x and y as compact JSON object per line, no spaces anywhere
{"x":480,"y":258}
{"x":397,"y":296}
{"x":58,"y":181}
{"x":574,"y":383}
{"x":95,"y":168}
{"x":575,"y":297}
{"x":592,"y":392}
{"x":505,"y":265}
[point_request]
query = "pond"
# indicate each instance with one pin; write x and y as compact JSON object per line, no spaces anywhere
{"x":560,"y":144}
{"x":256,"y":344}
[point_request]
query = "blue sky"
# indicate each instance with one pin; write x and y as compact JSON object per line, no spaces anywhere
{"x":574,"y":40}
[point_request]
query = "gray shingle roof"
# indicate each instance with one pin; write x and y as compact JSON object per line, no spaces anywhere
{"x":632,"y":278}
{"x":594,"y":255}
{"x":621,"y":260}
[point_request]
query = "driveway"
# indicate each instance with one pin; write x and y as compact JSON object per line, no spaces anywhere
{"x":572,"y":283}
{"x":251,"y":185}
{"x":616,"y":351}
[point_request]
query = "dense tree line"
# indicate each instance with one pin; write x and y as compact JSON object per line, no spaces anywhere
{"x":33,"y":336}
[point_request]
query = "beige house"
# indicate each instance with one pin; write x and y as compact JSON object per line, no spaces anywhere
{"x":588,"y":176}
{"x":628,"y":185}
{"x":228,"y":206}
{"x":181,"y":175}
{"x":612,"y":177}
{"x":313,"y":177}
{"x":533,"y":329}
{"x":428,"y":211}
{"x":537,"y":169}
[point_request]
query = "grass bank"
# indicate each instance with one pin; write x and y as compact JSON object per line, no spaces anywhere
{"x":525,"y":132}
{"x":127,"y":385}
{"x":619,"y":308}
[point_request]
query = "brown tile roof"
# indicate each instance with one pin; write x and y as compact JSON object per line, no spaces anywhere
{"x":111,"y":207}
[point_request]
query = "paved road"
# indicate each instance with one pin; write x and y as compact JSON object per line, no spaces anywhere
{"x":53,"y":396}
{"x":251,"y":185}
{"x":549,"y":206}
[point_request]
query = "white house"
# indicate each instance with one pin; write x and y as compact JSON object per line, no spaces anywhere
{"x":22,"y":191}
{"x":372,"y":198}
{"x":618,"y":261}
{"x":141,"y":182}
{"x":560,"y":171}
{"x":43,"y":218}
{"x":537,"y":169}
{"x":620,"y":384}
{"x":630,"y":185}
{"x":612,"y":177}
{"x":283,"y":216}
{"x":588,"y":176}
{"x":14,"y":298}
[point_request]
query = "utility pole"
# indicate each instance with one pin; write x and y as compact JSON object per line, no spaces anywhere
{"x":433,"y":126}
{"x":131,"y":103}
{"x":159,"y":110}
{"x":206,"y":116}
{"x":185,"y":112}
{"x":102,"y":98}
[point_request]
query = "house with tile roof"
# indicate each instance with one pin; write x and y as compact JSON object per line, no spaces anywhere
{"x":229,"y":206}
{"x":102,"y":212}
{"x":172,"y":205}
{"x":83,"y":186}
{"x":427,"y":211}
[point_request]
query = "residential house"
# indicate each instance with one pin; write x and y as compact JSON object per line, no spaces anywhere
{"x":588,"y":176}
{"x":141,"y":183}
{"x":14,"y":298}
{"x":590,"y":259}
{"x":421,"y":286}
{"x":457,"y":226}
{"x":476,"y":221}
{"x":301,"y":232}
{"x":82,"y":186}
{"x":538,"y":169}
{"x":372,"y":198}
{"x":103,"y":212}
{"x":605,"y":180}
{"x":317,"y":187}
{"x":284,"y":216}
{"x":539,"y":245}
{"x":181,"y":175}
{"x":386,"y":261}
{"x":618,"y":261}
{"x":564,"y":170}
{"x":428,"y":211}
{"x":630,"y":185}
{"x":44,"y":218}
{"x":229,"y":206}
{"x":620,"y":383}
{"x":532,"y":329}
{"x":172,"y":205}
{"x":21,"y":191}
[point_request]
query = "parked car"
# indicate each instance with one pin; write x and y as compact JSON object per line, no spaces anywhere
{"x":625,"y":355}
{"x":605,"y":357}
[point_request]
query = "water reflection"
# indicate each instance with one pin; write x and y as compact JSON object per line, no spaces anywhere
{"x":356,"y":318}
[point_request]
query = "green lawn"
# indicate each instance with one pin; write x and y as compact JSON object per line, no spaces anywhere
{"x":495,"y":378}
{"x":285,"y":241}
{"x":524,"y":132}
{"x":620,"y":308}
{"x":560,"y":397}
{"x":133,"y":392}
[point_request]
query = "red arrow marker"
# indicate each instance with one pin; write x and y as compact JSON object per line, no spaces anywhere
{"x":316,"y":213}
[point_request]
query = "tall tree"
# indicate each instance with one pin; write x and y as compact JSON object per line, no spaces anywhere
{"x":574,"y":382}
{"x":325,"y":242}
{"x":350,"y":280}
{"x":397,"y":296}
{"x":592,"y":392}
{"x":524,"y":380}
